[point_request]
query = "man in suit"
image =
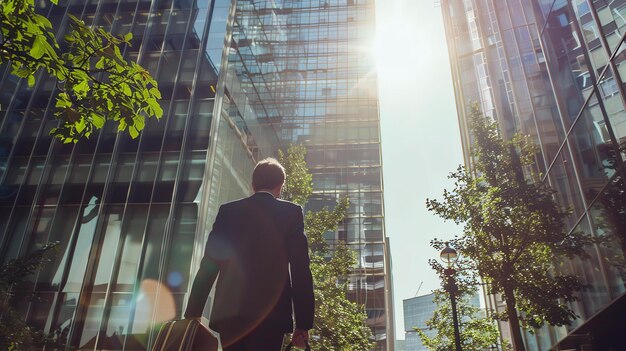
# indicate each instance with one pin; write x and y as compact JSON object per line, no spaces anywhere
{"x":258,"y":247}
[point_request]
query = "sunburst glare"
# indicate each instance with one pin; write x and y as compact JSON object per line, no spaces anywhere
{"x":396,"y":50}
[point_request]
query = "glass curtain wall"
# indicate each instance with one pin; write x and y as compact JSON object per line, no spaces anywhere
{"x":584,"y":42}
{"x":553,"y":69}
{"x":130,"y":214}
{"x":417,"y":311}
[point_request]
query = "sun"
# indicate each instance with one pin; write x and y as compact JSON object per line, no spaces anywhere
{"x":397,"y":51}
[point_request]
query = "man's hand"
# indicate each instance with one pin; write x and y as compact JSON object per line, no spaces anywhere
{"x":299,"y":338}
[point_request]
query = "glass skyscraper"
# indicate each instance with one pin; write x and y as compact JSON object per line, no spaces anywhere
{"x":239,"y":79}
{"x":417,"y":311}
{"x":552,"y":69}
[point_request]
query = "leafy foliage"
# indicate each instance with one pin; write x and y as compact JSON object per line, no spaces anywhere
{"x":94,"y":81}
{"x":477,"y":332}
{"x":299,"y":183}
{"x":513,"y":229}
{"x":340,"y":324}
{"x":14,"y":333}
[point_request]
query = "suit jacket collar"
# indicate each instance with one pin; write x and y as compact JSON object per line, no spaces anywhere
{"x":264,"y":194}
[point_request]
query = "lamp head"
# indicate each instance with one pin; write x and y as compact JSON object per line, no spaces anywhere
{"x":448,"y":255}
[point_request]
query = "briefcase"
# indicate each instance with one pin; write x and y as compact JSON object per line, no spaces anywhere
{"x":185,"y":335}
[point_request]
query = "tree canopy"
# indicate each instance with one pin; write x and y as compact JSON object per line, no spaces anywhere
{"x":513,"y":229}
{"x":95,"y":84}
{"x":340,"y":324}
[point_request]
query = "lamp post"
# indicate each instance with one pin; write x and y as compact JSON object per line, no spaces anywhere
{"x":449,"y":256}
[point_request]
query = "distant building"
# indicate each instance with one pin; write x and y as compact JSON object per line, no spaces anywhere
{"x":417,"y":311}
{"x":400,"y":345}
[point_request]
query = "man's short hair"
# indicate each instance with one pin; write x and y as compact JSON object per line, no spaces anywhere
{"x":268,"y":174}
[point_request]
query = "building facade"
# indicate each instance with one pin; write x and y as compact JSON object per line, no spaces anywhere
{"x":417,"y":311}
{"x":552,"y":70}
{"x":239,"y":80}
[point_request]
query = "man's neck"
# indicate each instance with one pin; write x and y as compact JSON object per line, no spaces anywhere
{"x":265,"y":191}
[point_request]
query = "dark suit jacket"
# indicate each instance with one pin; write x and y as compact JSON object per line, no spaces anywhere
{"x":254,"y":244}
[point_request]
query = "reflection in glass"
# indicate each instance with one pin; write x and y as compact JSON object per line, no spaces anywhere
{"x":92,"y":320}
{"x":592,"y":147}
{"x":609,"y":217}
{"x":176,"y":276}
{"x":133,"y":233}
{"x":591,"y":272}
{"x":79,"y":257}
{"x":108,"y":249}
{"x":147,"y":311}
{"x":51,"y":274}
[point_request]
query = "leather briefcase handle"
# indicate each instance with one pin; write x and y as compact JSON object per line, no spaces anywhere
{"x":290,"y":345}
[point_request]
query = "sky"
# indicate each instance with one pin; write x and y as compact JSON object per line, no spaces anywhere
{"x":420,"y":138}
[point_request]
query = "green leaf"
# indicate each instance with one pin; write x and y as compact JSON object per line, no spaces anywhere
{"x":118,"y":54}
{"x":128,"y":36}
{"x":156,"y":107}
{"x":63,"y":101}
{"x":80,"y":125}
{"x":109,"y":104}
{"x":31,"y":81}
{"x":120,"y":67}
{"x":155,"y":92}
{"x":97,"y":120}
{"x":122,"y":125}
{"x":8,"y":7}
{"x":139,"y":122}
{"x":133,"y":132}
{"x":100,"y":63}
{"x":38,"y":49}
{"x":126,"y":89}
{"x":21,"y":71}
{"x":43,"y":20}
{"x":61,"y":74}
{"x":81,"y":88}
{"x":75,"y":19}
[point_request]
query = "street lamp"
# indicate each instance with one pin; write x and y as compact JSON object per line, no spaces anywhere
{"x":449,"y":256}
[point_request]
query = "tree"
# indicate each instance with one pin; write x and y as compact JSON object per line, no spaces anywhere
{"x":94,"y":82}
{"x":477,"y":331}
{"x":340,"y":324}
{"x":14,"y":333}
{"x":513,"y":229}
